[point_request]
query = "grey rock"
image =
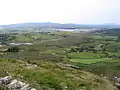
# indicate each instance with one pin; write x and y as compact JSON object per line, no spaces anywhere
{"x":33,"y":89}
{"x":16,"y":84}
{"x":118,"y":80}
{"x":25,"y":87}
{"x":6,"y":80}
{"x":11,"y":85}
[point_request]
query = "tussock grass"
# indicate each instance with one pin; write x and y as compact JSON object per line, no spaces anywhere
{"x":49,"y":75}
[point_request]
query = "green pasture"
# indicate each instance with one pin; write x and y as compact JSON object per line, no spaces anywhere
{"x":90,"y":61}
{"x":84,"y":55}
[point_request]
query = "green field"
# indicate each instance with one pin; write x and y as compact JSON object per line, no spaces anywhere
{"x":105,"y":37}
{"x":89,"y":61}
{"x":84,"y":55}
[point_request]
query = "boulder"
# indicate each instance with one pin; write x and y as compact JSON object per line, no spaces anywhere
{"x":16,"y":84}
{"x":118,"y":80}
{"x":33,"y":89}
{"x":26,"y":87}
{"x":6,"y":80}
{"x":11,"y":85}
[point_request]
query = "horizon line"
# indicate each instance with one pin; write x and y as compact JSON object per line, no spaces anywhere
{"x":62,"y":23}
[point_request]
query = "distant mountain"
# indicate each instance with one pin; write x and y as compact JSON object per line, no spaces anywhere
{"x":57,"y":25}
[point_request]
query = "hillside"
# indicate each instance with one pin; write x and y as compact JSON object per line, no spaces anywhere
{"x":58,"y":25}
{"x":50,"y":76}
{"x":113,"y":31}
{"x":61,"y":60}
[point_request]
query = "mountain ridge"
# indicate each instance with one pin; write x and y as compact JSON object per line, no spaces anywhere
{"x":58,"y":25}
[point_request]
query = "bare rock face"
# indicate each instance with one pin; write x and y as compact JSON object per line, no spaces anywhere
{"x":13,"y":84}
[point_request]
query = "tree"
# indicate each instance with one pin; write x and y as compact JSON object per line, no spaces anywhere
{"x":118,"y":39}
{"x":73,"y":50}
{"x":13,"y":49}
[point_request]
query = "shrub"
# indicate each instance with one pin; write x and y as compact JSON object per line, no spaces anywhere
{"x":13,"y":49}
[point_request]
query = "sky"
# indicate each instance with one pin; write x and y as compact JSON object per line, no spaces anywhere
{"x":60,"y":11}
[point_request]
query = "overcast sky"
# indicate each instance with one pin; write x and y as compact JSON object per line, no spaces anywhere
{"x":60,"y":11}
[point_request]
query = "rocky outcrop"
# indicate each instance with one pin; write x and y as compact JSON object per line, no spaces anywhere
{"x":31,"y":66}
{"x":68,"y":65}
{"x":117,"y":80}
{"x":13,"y":84}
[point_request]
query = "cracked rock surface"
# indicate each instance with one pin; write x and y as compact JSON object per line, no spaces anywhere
{"x":13,"y":84}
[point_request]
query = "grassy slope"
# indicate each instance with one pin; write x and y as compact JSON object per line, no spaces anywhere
{"x":86,"y":57}
{"x":89,"y":61}
{"x":42,"y":77}
{"x":53,"y":76}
